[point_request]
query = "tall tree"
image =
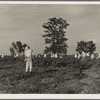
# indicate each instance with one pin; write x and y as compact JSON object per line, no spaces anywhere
{"x":55,"y":37}
{"x":88,"y":46}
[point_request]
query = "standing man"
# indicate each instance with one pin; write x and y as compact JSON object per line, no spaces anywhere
{"x":28,"y":59}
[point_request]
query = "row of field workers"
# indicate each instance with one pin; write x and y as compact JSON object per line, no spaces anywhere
{"x":84,"y":55}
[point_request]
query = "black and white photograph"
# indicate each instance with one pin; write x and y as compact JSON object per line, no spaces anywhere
{"x":49,"y":48}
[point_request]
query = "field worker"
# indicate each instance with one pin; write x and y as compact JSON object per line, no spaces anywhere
{"x":92,"y":56}
{"x":56,"y":56}
{"x":98,"y":56}
{"x":79,"y":56}
{"x":39,"y":55}
{"x":2,"y":56}
{"x":45,"y":55}
{"x":28,"y":58}
{"x":88,"y":54}
{"x":76,"y":55}
{"x":83,"y":54}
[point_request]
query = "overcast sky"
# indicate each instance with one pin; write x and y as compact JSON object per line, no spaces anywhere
{"x":23,"y":22}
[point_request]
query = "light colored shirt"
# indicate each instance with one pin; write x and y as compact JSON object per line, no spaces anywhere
{"x":28,"y":53}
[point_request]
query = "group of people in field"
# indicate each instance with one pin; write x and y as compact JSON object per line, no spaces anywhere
{"x":83,"y":55}
{"x":29,"y":56}
{"x":50,"y":55}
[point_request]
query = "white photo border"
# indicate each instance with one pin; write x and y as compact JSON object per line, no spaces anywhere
{"x":51,"y":96}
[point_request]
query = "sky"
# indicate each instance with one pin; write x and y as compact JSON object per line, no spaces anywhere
{"x":23,"y":22}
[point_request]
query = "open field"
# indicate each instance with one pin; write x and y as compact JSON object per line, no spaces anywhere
{"x":50,"y":76}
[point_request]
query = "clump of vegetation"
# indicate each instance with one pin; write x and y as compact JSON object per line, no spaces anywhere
{"x":87,"y":47}
{"x":17,"y":49}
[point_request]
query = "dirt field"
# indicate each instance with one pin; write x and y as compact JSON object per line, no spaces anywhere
{"x":58,"y":76}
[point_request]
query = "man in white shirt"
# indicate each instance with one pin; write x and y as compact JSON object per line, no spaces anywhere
{"x":28,"y":58}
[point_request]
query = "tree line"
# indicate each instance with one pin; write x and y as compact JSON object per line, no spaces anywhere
{"x":55,"y":40}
